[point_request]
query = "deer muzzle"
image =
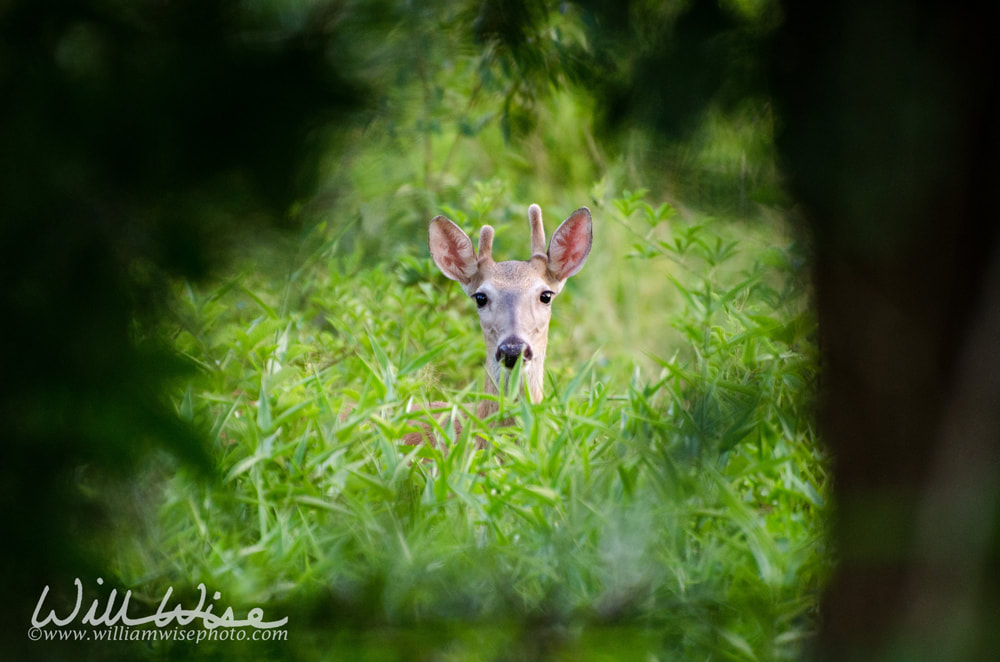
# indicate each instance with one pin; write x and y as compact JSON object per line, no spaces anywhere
{"x":511,"y":349}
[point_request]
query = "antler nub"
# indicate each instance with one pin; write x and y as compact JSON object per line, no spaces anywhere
{"x":486,"y":243}
{"x":537,"y":231}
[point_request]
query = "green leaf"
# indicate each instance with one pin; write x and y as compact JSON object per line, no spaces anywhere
{"x":264,"y":422}
{"x":186,"y":412}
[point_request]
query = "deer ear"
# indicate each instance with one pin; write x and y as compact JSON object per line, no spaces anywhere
{"x":452,"y":250}
{"x":571,"y":244}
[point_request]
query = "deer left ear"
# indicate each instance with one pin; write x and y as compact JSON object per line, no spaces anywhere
{"x":571,"y":244}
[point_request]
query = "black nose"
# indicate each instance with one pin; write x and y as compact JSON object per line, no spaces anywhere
{"x":511,"y":349}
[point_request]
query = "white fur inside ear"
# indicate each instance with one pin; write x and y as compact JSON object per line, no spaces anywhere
{"x":452,"y":250}
{"x":571,"y":244}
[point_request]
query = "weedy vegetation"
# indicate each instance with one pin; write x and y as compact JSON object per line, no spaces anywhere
{"x":667,"y":500}
{"x":677,"y":498}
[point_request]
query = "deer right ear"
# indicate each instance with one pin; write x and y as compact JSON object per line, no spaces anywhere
{"x":452,"y":250}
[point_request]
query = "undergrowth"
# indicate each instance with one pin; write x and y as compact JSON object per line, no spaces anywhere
{"x":673,"y":513}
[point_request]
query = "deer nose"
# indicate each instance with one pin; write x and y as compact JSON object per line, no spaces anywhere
{"x":511,"y":349}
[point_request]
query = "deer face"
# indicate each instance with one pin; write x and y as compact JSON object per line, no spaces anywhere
{"x":514,"y":298}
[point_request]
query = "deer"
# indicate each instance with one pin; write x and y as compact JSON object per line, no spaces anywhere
{"x":513,"y":298}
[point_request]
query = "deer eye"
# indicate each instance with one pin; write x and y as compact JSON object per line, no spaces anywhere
{"x":480,"y":298}
{"x":546,"y":297}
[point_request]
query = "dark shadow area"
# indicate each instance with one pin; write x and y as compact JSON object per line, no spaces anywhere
{"x":139,"y":142}
{"x":890,"y":143}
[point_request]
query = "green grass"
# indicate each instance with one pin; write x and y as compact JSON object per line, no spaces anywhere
{"x":665,"y":501}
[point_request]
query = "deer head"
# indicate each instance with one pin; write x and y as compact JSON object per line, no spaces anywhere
{"x":514,"y":298}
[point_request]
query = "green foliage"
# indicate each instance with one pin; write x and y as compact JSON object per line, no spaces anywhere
{"x":470,"y":94}
{"x":669,"y":491}
{"x":685,"y":509}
